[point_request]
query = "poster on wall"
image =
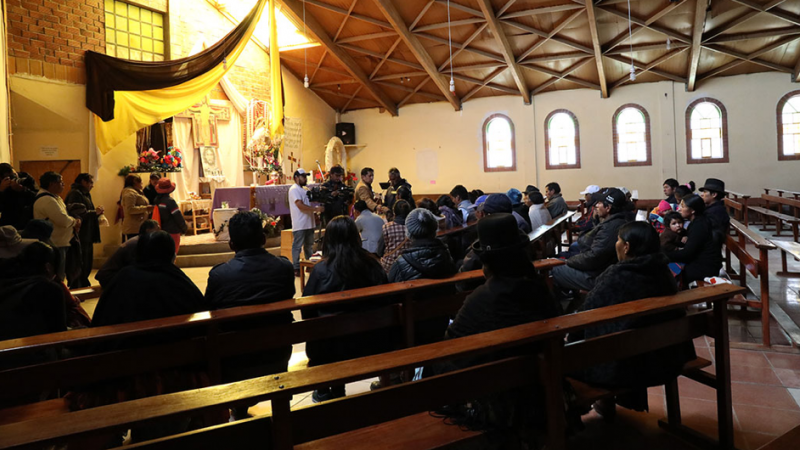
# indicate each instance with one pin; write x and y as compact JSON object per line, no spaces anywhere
{"x":292,"y":140}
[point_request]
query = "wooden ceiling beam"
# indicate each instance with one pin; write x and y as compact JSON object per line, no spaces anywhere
{"x":335,"y":83}
{"x":315,"y":66}
{"x":698,"y":25}
{"x":483,"y":84}
{"x":469,"y":40}
{"x":649,"y":67}
{"x":294,"y":9}
{"x":557,"y":29}
{"x":554,"y":57}
{"x":381,"y":56}
{"x":459,"y":7}
{"x":366,"y":37}
{"x":565,"y":75}
{"x":739,"y":20}
{"x":335,"y":93}
{"x":476,"y":81}
{"x":505,"y":47}
{"x":572,"y":79}
{"x":385,"y":57}
{"x":622,"y":37}
{"x":541,"y":33}
{"x":775,"y":12}
{"x":756,"y":35}
{"x":639,"y":65}
{"x":412,"y":41}
{"x":796,"y":73}
{"x":395,"y":76}
{"x":598,"y":52}
{"x":752,"y":57}
{"x":335,"y":38}
{"x":456,"y":45}
{"x":537,"y":11}
{"x":454,"y":23}
{"x":352,"y":97}
{"x":649,"y":23}
{"x":411,"y":94}
{"x":476,"y":67}
{"x":646,"y":48}
{"x":403,"y":88}
{"x":342,"y":11}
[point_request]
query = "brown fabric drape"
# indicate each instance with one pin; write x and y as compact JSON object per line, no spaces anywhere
{"x":106,"y":74}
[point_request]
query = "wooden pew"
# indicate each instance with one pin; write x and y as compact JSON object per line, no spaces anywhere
{"x":87,"y":293}
{"x":403,"y":305}
{"x":536,"y":353}
{"x":789,"y":441}
{"x":737,"y":209}
{"x":759,"y":268}
{"x":791,"y":248}
{"x":783,"y":191}
{"x":553,"y":229}
{"x":767,"y":213}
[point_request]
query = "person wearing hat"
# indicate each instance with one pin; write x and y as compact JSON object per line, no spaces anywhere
{"x":591,"y":194}
{"x":555,"y":201}
{"x":713,"y":195}
{"x":517,"y":205}
{"x":11,"y":243}
{"x":49,"y":206}
{"x":701,"y":255}
{"x":302,"y":219}
{"x":596,"y":247}
{"x":499,"y":203}
{"x":364,"y":191}
{"x":425,"y":256}
{"x":170,"y":215}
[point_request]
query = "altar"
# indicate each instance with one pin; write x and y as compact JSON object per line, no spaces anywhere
{"x":272,"y":200}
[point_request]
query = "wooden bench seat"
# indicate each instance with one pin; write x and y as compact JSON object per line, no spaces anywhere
{"x":536,"y":353}
{"x":779,"y":218}
{"x":791,"y":248}
{"x":789,"y":441}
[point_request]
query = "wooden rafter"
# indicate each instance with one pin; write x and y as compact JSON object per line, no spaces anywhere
{"x":565,"y":75}
{"x":540,"y":33}
{"x":774,"y":12}
{"x":295,"y":9}
{"x":755,"y":35}
{"x":360,"y":17}
{"x":505,"y":47}
{"x":752,"y":57}
{"x":352,"y":97}
{"x":477,"y":67}
{"x":649,"y":67}
{"x":378,"y":55}
{"x":598,"y":52}
{"x":711,"y":34}
{"x":454,"y":23}
{"x":642,"y":66}
{"x":366,"y":37}
{"x":476,"y":81}
{"x":557,"y":29}
{"x":469,"y":40}
{"x":335,"y":39}
{"x":483,"y":84}
{"x":464,"y":47}
{"x":404,"y":88}
{"x":649,"y":24}
{"x":640,"y":26}
{"x":646,"y":48}
{"x":416,"y":89}
{"x":542,"y":10}
{"x":393,"y":16}
{"x":698,"y":25}
{"x":315,"y":66}
{"x":554,"y":57}
{"x":557,"y":75}
{"x":334,"y":93}
{"x":460,"y":7}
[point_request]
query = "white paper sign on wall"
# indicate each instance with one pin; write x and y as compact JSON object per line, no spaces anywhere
{"x":49,"y":151}
{"x":293,"y":136}
{"x":427,"y":166}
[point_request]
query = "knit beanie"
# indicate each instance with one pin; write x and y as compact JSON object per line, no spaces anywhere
{"x":421,"y":223}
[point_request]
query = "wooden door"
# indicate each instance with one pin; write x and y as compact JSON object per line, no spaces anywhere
{"x":69,"y":170}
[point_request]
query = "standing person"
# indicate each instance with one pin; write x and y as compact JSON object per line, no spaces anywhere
{"x":170,"y":214}
{"x":89,"y":233}
{"x":538,"y":214}
{"x":370,"y":226}
{"x":364,"y":191}
{"x":135,"y":206}
{"x":395,"y":183}
{"x":702,"y":252}
{"x":49,"y":206}
{"x":252,"y":277}
{"x":150,"y":191}
{"x":339,"y":205}
{"x":394,"y":235}
{"x":669,"y":190}
{"x":460,"y":197}
{"x":713,"y":195}
{"x":345,"y":265}
{"x":302,"y":219}
{"x":555,"y":201}
{"x":16,"y":201}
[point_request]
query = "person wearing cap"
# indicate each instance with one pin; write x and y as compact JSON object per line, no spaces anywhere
{"x":49,"y":206}
{"x":517,"y":205}
{"x":713,"y":195}
{"x":370,"y":226}
{"x":302,"y":219}
{"x":537,"y":214}
{"x":338,"y":205}
{"x":80,"y":193}
{"x":11,"y":243}
{"x":364,"y":191}
{"x":136,"y":207}
{"x":596,"y":247}
{"x":170,"y":214}
{"x":591,"y":194}
{"x":587,"y":195}
{"x":395,"y":183}
{"x":555,"y":201}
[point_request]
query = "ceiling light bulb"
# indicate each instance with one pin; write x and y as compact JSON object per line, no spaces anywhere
{"x":339,"y":87}
{"x":633,"y":73}
{"x":402,"y":80}
{"x":669,"y":44}
{"x":305,"y":82}
{"x":452,"y":85}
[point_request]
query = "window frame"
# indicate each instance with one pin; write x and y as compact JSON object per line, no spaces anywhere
{"x":779,"y":119}
{"x":577,"y":164}
{"x":513,"y":167}
{"x":688,"y":131}
{"x":166,"y":26}
{"x":615,"y":136}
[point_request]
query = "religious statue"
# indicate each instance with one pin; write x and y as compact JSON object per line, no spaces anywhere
{"x":204,"y":118}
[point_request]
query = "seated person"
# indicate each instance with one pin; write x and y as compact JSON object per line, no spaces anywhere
{"x":125,"y":254}
{"x":517,"y":205}
{"x":669,"y":186}
{"x":431,"y":206}
{"x":452,"y":217}
{"x":537,"y":214}
{"x":641,"y":273}
{"x":513,"y":294}
{"x":596,"y":246}
{"x":426,"y":256}
{"x":394,"y":235}
{"x":370,"y":226}
{"x":460,"y":197}
{"x":713,"y":195}
{"x":701,"y":255}
{"x":345,"y":265}
{"x":253,"y":277}
{"x":590,"y":195}
{"x":672,"y":236}
{"x":682,"y":191}
{"x":555,"y":201}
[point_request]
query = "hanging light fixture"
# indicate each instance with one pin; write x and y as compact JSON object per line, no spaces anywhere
{"x":305,"y":50}
{"x":630,"y":41}
{"x":450,"y":46}
{"x":669,"y":43}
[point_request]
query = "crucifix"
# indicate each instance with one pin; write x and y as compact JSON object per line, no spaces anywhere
{"x":204,"y":118}
{"x":291,"y":160}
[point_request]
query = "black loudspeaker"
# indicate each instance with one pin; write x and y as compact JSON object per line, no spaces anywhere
{"x":346,"y":132}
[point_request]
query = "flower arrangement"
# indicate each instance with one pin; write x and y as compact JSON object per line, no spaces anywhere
{"x":126,"y":170}
{"x":264,"y":153}
{"x":351,"y":179}
{"x":269,"y":223}
{"x":152,"y":161}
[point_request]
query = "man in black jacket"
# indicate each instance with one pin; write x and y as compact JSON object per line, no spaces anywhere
{"x":252,"y":277}
{"x":89,"y":233}
{"x":395,"y":183}
{"x":713,"y":195}
{"x":16,"y":201}
{"x":596,"y":246}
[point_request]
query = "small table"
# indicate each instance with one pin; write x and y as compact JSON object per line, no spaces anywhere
{"x":306,"y":266}
{"x":201,"y":214}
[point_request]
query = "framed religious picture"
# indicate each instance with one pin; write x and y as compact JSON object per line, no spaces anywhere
{"x":210,"y":164}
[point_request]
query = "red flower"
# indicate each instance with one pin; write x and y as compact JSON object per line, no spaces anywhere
{"x":273,"y":223}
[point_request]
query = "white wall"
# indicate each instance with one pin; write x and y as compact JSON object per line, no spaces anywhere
{"x":5,"y":149}
{"x":456,"y":141}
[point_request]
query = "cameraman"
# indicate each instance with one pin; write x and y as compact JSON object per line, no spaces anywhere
{"x":302,"y":219}
{"x":339,"y":203}
{"x":16,"y":201}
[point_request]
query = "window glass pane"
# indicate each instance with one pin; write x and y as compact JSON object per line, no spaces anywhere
{"x":135,"y":41}
{"x":111,"y":37}
{"x":706,"y":131}
{"x":121,"y":8}
{"x":158,"y":20}
{"x":561,"y":131}
{"x":133,"y":27}
{"x":122,"y":23}
{"x":133,"y":12}
{"x":147,"y":44}
{"x":122,"y":38}
{"x":110,"y":20}
{"x":631,"y":136}
{"x":158,"y":33}
{"x":791,"y":126}
{"x":147,"y":30}
{"x":499,"y":139}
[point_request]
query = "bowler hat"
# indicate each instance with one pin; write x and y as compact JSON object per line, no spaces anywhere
{"x":165,"y":186}
{"x":713,"y":184}
{"x":499,"y":233}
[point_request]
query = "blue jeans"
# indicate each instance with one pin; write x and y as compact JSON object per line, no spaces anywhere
{"x":302,"y":239}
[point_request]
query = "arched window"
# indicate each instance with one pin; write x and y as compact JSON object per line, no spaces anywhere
{"x":499,"y":152}
{"x":631,"y":127}
{"x":789,"y":127}
{"x":706,"y":132}
{"x":562,"y":140}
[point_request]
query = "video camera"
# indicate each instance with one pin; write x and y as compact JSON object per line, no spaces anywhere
{"x":323,"y":195}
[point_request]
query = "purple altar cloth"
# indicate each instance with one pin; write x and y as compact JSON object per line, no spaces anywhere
{"x":272,"y":200}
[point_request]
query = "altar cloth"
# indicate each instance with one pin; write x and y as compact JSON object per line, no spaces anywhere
{"x":272,"y":200}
